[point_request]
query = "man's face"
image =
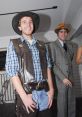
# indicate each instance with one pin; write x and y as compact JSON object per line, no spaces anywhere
{"x":26,"y":25}
{"x":62,"y":34}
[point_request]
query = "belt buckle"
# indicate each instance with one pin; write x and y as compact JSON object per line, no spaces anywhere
{"x":38,"y":86}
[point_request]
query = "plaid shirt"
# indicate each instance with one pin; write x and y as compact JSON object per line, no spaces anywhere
{"x":12,"y":63}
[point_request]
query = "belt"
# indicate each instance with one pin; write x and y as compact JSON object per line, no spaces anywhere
{"x":29,"y":87}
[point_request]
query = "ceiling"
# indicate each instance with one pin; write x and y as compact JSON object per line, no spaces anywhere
{"x":49,"y":17}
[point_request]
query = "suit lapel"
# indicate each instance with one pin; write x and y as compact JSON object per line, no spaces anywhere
{"x":64,"y":53}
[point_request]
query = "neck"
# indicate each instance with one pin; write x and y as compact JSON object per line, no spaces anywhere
{"x":28,"y":37}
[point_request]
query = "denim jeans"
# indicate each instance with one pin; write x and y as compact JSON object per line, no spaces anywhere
{"x":41,"y":99}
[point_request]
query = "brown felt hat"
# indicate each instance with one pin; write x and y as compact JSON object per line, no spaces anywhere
{"x":15,"y":21}
{"x":62,"y":26}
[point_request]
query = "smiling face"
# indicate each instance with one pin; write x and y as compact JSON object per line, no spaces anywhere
{"x":26,"y":26}
{"x":62,"y":34}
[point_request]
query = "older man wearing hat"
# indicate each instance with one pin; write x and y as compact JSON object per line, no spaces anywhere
{"x":62,"y":56}
{"x":28,"y":66}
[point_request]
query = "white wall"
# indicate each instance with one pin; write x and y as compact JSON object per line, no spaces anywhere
{"x":46,"y":37}
{"x":77,"y":20}
{"x":5,"y":40}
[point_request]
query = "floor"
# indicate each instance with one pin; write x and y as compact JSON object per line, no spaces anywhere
{"x":79,"y":107}
{"x":7,"y":110}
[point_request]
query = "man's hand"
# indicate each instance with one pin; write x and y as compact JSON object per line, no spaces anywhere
{"x":67,"y":82}
{"x":27,"y":99}
{"x":29,"y":103}
{"x":50,"y":97}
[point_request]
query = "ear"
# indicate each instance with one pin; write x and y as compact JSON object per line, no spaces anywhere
{"x":19,"y":28}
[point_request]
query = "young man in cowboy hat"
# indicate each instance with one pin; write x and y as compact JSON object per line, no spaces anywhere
{"x":28,"y":65}
{"x":62,"y":56}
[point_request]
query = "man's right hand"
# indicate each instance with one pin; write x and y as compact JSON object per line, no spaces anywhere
{"x":27,"y":99}
{"x":29,"y":103}
{"x":67,"y":82}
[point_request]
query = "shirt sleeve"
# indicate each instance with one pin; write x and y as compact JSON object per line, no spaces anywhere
{"x":12,"y":64}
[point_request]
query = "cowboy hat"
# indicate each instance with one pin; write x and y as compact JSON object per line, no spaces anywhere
{"x":17,"y":17}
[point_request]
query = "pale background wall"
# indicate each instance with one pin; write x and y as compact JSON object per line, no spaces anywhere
{"x":77,"y":20}
{"x":46,"y":37}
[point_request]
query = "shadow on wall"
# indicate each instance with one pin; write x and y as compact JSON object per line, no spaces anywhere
{"x":45,"y":23}
{"x":43,"y":33}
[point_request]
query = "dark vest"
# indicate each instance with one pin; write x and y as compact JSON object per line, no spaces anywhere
{"x":24,"y":52}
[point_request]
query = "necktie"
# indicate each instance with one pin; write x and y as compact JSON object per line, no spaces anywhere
{"x":65,"y":47}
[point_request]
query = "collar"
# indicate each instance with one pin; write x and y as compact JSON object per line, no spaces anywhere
{"x":61,"y":42}
{"x":27,"y":40}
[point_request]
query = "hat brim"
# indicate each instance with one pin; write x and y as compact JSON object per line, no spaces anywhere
{"x":16,"y":18}
{"x":58,"y":29}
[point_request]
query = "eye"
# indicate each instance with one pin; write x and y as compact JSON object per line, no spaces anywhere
{"x":23,"y":22}
{"x":61,"y":31}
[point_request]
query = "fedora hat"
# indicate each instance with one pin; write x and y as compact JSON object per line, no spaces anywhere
{"x":62,"y":26}
{"x":15,"y":21}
